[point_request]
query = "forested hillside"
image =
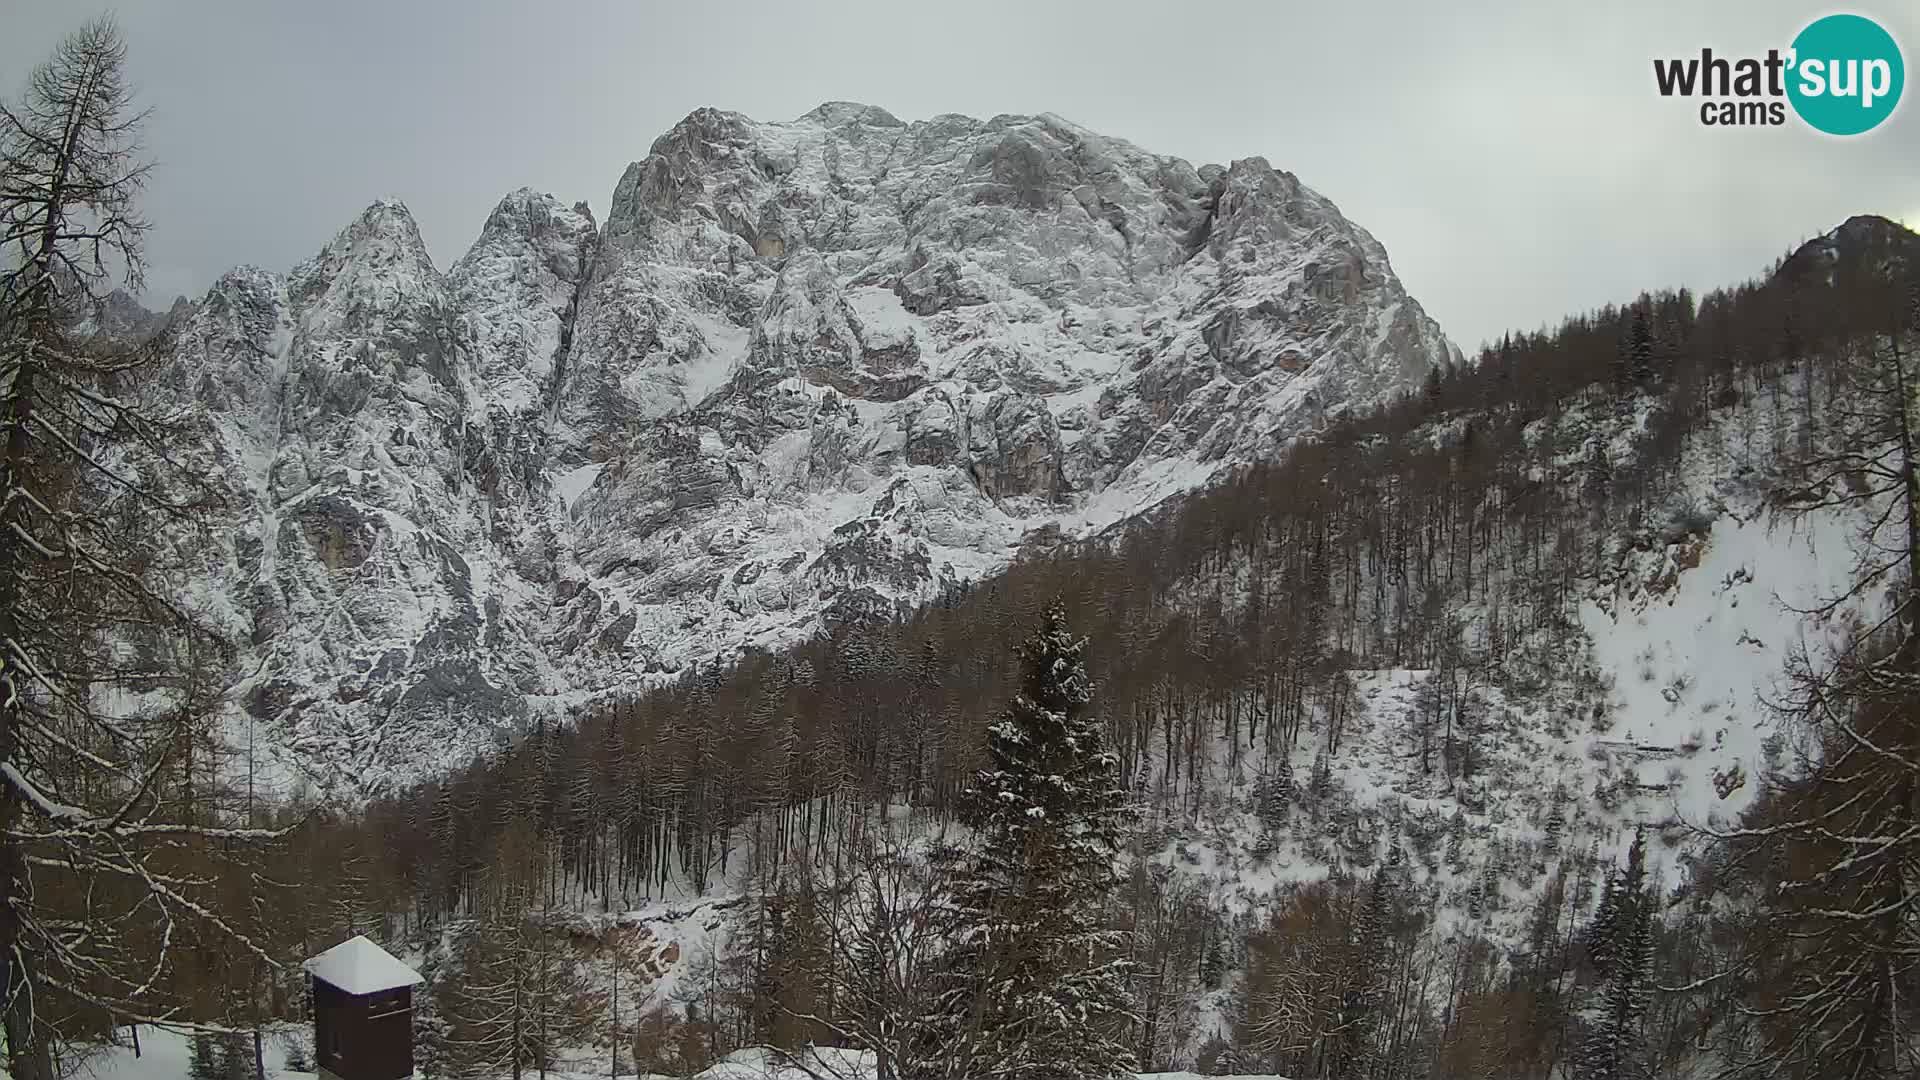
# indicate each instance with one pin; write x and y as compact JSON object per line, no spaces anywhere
{"x":1554,"y":720}
{"x":1407,"y":803}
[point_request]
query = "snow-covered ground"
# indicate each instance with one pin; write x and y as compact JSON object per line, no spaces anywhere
{"x":1652,"y":711}
{"x":164,"y":1054}
{"x":1697,"y":653}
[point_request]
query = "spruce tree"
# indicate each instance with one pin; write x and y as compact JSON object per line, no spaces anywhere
{"x":1363,"y":995}
{"x":433,"y":1032}
{"x":766,"y":934}
{"x":1557,"y":819}
{"x":202,"y":1060}
{"x":1622,"y":947}
{"x":1035,"y":986}
{"x":1273,"y":793}
{"x":1321,"y":782}
{"x":235,"y":1059}
{"x":1640,"y":346}
{"x":1213,"y":958}
{"x":1456,"y":842}
{"x":299,"y":1060}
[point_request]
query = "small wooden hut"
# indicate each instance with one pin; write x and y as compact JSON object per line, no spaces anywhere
{"x":362,"y":1012}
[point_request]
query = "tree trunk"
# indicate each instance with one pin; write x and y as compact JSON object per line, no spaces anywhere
{"x":26,"y":1058}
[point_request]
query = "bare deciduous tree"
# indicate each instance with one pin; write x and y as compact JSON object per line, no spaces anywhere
{"x":101,"y":889}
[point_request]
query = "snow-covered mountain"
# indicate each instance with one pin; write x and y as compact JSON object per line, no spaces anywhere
{"x":803,"y":370}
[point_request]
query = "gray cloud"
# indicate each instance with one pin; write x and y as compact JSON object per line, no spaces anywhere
{"x":1513,"y":157}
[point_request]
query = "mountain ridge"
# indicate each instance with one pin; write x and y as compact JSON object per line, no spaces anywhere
{"x":803,"y":371}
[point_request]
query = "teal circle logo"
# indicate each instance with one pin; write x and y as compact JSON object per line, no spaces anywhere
{"x":1845,"y":74}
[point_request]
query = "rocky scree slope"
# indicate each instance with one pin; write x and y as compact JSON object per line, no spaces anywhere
{"x":804,"y":371}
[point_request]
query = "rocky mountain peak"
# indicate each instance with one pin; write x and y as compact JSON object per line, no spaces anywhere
{"x":805,"y":371}
{"x":513,"y":295}
{"x":382,"y":248}
{"x":1860,"y":236}
{"x":848,"y":113}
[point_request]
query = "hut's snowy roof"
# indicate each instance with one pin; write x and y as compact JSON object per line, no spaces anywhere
{"x":358,"y":966}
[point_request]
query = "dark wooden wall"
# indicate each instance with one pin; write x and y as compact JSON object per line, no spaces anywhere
{"x":374,"y":1032}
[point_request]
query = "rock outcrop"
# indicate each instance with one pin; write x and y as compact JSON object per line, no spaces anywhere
{"x":803,"y":369}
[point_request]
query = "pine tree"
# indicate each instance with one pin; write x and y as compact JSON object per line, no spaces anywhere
{"x":790,"y":959}
{"x":1321,"y":782}
{"x":1034,"y":986}
{"x":1640,"y":351}
{"x":1213,"y":958}
{"x":1540,"y":972}
{"x":433,"y":1034}
{"x":1543,"y":930}
{"x":202,"y":1059}
{"x":1599,"y":473}
{"x":1456,"y":842}
{"x":235,"y":1058}
{"x":1621,"y":902}
{"x":1274,"y":793}
{"x":1616,"y":1047}
{"x":1490,"y":878}
{"x":766,"y":933}
{"x":1366,"y":977}
{"x":299,"y":1060}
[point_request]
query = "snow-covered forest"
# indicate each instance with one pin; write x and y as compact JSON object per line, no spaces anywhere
{"x":1552,"y":719}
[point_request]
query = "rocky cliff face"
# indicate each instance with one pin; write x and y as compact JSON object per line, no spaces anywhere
{"x":802,"y":370}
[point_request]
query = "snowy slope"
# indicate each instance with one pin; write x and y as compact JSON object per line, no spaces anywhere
{"x":1647,"y":713}
{"x":1659,"y":692}
{"x":1698,"y":651}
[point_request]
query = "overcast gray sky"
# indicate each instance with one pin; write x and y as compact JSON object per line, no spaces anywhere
{"x":1514,"y":157}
